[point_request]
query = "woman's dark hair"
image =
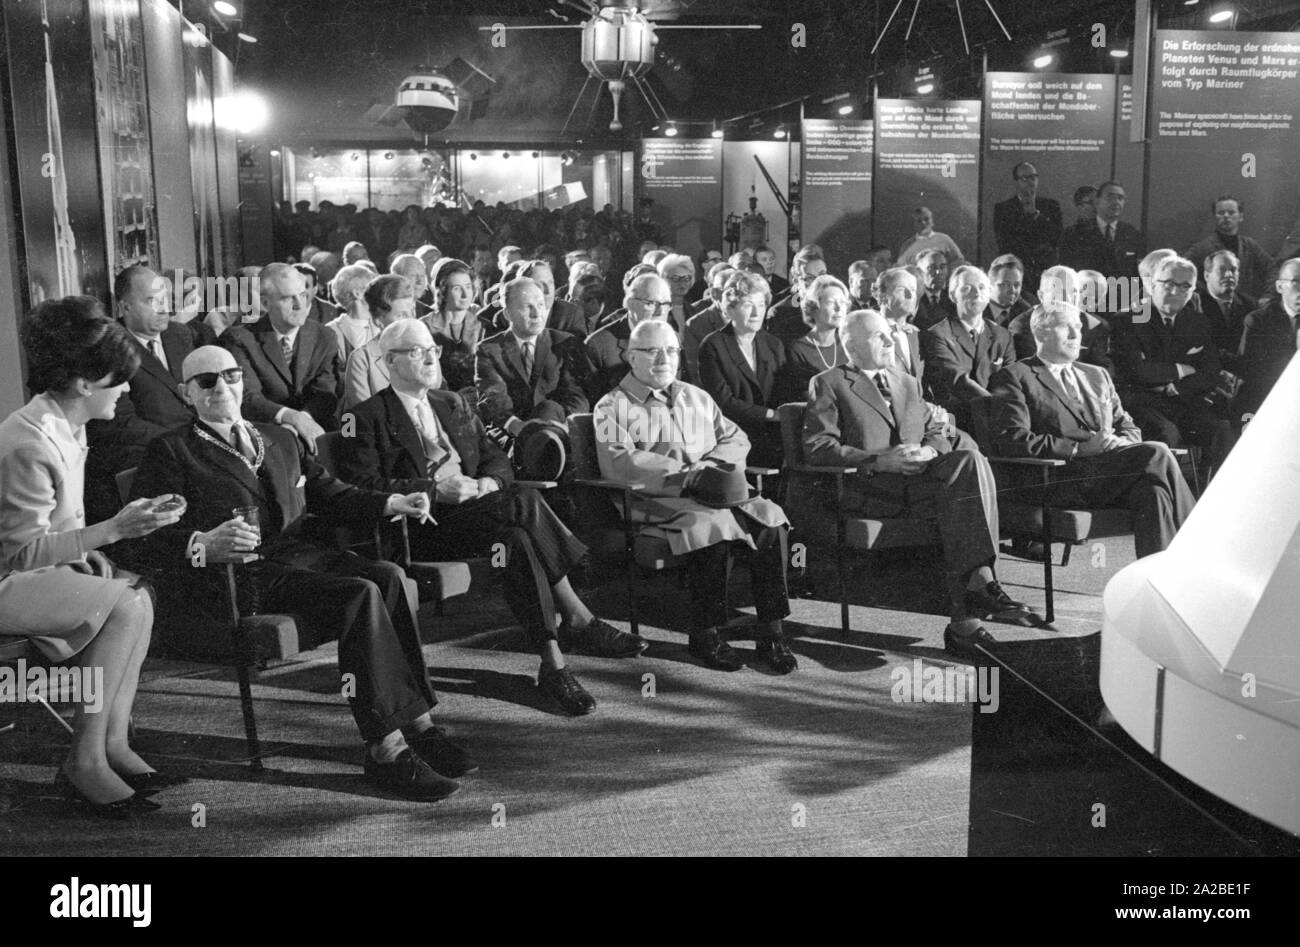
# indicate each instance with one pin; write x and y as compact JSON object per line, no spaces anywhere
{"x":443,"y":269}
{"x":73,"y":338}
{"x":384,"y":289}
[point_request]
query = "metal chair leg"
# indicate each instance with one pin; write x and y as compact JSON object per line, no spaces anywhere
{"x":1047,"y":553}
{"x":242,"y":660}
{"x":54,"y":713}
{"x":843,"y":579}
{"x":629,"y":542}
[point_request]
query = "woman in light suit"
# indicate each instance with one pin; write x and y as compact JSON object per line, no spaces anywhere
{"x":56,"y":588}
{"x":391,"y":299}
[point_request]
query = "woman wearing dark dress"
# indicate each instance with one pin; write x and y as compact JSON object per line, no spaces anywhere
{"x":740,"y":365}
{"x":453,"y":324}
{"x":825,"y":306}
{"x":57,"y":589}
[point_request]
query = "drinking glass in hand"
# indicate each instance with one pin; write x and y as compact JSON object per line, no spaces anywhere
{"x":251,"y":585}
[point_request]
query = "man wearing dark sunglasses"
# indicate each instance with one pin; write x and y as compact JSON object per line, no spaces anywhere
{"x":222,"y":462}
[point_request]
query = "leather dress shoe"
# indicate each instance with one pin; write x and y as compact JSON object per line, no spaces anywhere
{"x":601,"y":640}
{"x":709,"y":647}
{"x":146,"y":784}
{"x":964,"y":644}
{"x":120,"y":810}
{"x":775,"y":653}
{"x":992,"y":601}
{"x":410,"y":777}
{"x":561,"y":686}
{"x":446,"y":758}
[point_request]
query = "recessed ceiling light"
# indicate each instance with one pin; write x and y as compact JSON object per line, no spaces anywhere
{"x":224,"y":8}
{"x":780,"y":132}
{"x":1119,"y":53}
{"x":845,"y":109}
{"x":925,"y":89}
{"x":1043,"y":61}
{"x":1220,"y":16}
{"x":247,"y":38}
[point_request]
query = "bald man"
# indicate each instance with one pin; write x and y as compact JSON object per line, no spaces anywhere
{"x":871,"y":416}
{"x":222,"y":462}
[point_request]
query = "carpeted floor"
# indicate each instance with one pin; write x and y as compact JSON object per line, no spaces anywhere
{"x":677,"y":760}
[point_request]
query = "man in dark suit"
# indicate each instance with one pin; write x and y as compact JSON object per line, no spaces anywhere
{"x":897,"y":291}
{"x":1268,"y":339}
{"x":1027,"y":225}
{"x":1253,"y":261}
{"x":1053,"y":406}
{"x":1105,"y":244}
{"x":412,"y":437}
{"x":698,"y":327}
{"x":870,"y":416}
{"x":561,"y":315}
{"x":862,"y":281}
{"x":153,"y":404}
{"x":291,"y":364}
{"x":785,"y":318}
{"x":648,"y":297}
{"x":1006,"y":280}
{"x":962,"y":352}
{"x":765,"y":257}
{"x":1167,"y":366}
{"x":528,"y":371}
{"x":934,"y":305}
{"x":1061,"y":284}
{"x":221,"y":463}
{"x":1224,"y":306}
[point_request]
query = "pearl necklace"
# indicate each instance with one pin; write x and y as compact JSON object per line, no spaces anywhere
{"x":260,"y":444}
{"x":812,"y":338}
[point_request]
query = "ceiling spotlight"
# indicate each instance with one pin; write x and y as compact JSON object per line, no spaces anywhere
{"x":845,"y":110}
{"x":225,"y":9}
{"x":780,"y":132}
{"x":1190,"y":3}
{"x":245,"y":37}
{"x":275,"y":153}
{"x":1043,"y":61}
{"x":1219,"y":16}
{"x":1119,"y":53}
{"x":926,"y":88}
{"x":671,"y":131}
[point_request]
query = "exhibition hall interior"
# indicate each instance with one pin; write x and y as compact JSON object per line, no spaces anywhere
{"x":649,"y":427}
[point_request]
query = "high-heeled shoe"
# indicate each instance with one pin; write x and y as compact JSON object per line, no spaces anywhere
{"x":120,"y":810}
{"x":147,"y":784}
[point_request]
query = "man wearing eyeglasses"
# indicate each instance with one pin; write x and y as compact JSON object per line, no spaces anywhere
{"x":414,"y":436}
{"x":1027,"y":225}
{"x":1167,"y":366}
{"x":222,"y":462}
{"x":1269,"y":338}
{"x":678,"y":271}
{"x":1105,"y":244}
{"x":660,"y":432}
{"x":291,"y":363}
{"x":648,"y":297}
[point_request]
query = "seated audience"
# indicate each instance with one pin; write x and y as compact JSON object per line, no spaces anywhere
{"x":221,"y":463}
{"x":962,"y":352}
{"x":741,"y":367}
{"x":1224,"y":306}
{"x":671,"y":438}
{"x":648,"y":297}
{"x":678,"y":271}
{"x":291,"y":366}
{"x":390,"y":299}
{"x":561,"y":315}
{"x":57,"y":590}
{"x":1104,"y":243}
{"x":412,"y":436}
{"x":1060,"y":284}
{"x":870,"y":416}
{"x":1053,"y":406}
{"x":707,"y":320}
{"x":1006,"y":279}
{"x":785,"y":318}
{"x":528,"y":371}
{"x":1268,"y":339}
{"x":934,"y":304}
{"x":824,"y":307}
{"x":452,"y":323}
{"x":353,"y":327}
{"x":897,"y":291}
{"x":1167,"y":367}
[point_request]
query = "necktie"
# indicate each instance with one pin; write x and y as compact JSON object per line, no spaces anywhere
{"x":528,"y":359}
{"x":1110,"y":234}
{"x":286,"y":349}
{"x":904,"y":355}
{"x":155,"y":349}
{"x":1080,"y":397}
{"x":435,"y":452}
{"x":243,"y":443}
{"x":882,"y":383}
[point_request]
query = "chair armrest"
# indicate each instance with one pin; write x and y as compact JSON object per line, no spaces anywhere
{"x":537,"y":484}
{"x":1029,"y":461}
{"x":609,"y":484}
{"x":761,"y":471}
{"x":815,"y":469}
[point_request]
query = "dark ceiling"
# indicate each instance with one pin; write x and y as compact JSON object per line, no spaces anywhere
{"x":323,"y":63}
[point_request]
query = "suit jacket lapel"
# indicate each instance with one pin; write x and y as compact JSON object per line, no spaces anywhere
{"x":514,"y":355}
{"x":733,"y":349}
{"x":866,"y":389}
{"x":271,"y":346}
{"x":403,"y":430}
{"x":962,"y":336}
{"x":1048,"y":380}
{"x":465,"y":446}
{"x":149,"y":363}
{"x":304,"y":344}
{"x":174,"y":345}
{"x":541,"y":352}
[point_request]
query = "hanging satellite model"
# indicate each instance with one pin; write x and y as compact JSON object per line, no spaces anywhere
{"x":618,"y":47}
{"x":430,"y":99}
